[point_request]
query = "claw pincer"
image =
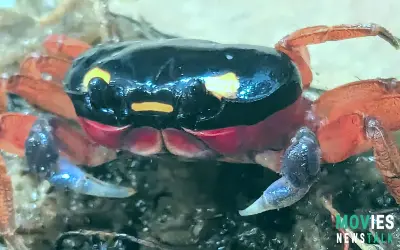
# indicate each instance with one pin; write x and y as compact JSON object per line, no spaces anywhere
{"x":300,"y":169}
{"x":43,"y":158}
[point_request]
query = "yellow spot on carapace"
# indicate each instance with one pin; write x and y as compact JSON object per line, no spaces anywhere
{"x":93,"y":73}
{"x":223,"y":86}
{"x":152,"y":106}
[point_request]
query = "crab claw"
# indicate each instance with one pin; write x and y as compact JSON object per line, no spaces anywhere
{"x":300,"y":169}
{"x":42,"y":154}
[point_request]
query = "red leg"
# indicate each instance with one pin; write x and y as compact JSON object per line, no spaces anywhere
{"x":294,"y":45}
{"x":61,"y":50}
{"x":385,"y":108}
{"x":341,"y":138}
{"x":359,"y":91}
{"x":379,"y":98}
{"x":35,"y":65}
{"x":354,"y":133}
{"x":340,"y":135}
{"x":15,"y":128}
{"x":63,"y":46}
{"x":77,"y":146}
{"x":47,"y":95}
{"x":387,"y":155}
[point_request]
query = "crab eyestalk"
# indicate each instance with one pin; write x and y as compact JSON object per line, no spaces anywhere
{"x":300,"y":169}
{"x":42,"y":154}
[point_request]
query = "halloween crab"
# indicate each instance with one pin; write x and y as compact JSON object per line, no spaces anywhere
{"x":198,"y":100}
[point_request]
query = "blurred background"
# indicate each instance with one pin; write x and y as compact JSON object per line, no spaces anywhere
{"x":193,"y":206}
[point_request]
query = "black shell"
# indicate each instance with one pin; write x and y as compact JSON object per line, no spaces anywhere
{"x":173,"y":72}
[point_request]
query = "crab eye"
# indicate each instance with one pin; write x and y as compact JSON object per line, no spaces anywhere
{"x":106,"y":103}
{"x":97,"y":89}
{"x":104,"y":96}
{"x":95,"y":73}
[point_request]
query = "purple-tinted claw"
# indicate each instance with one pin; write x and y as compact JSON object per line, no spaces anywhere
{"x":300,"y":169}
{"x":43,"y":159}
{"x":280,"y":194}
{"x":69,"y":176}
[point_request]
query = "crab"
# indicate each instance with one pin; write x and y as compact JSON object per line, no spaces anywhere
{"x":197,"y":100}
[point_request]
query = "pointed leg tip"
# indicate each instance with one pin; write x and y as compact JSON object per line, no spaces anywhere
{"x":88,"y":185}
{"x":245,"y":212}
{"x":71,"y":177}
{"x":242,"y":212}
{"x":279,"y":194}
{"x":257,"y":207}
{"x":117,"y":192}
{"x":94,"y":187}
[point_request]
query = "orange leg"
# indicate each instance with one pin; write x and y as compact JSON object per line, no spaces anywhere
{"x":61,"y":51}
{"x":341,"y":138}
{"x":74,"y":144}
{"x":385,"y":108}
{"x":353,"y":133}
{"x":387,"y":155}
{"x":379,"y":98}
{"x":47,"y":95}
{"x":50,"y":96}
{"x":339,"y":133}
{"x":52,"y":147}
{"x":14,"y":130}
{"x":35,"y":65}
{"x":359,"y":91}
{"x":295,"y":44}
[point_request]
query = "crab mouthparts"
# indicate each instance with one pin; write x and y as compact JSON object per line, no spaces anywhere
{"x":152,"y":106}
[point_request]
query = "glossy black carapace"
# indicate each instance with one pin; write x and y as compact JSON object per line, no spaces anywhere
{"x":193,"y":84}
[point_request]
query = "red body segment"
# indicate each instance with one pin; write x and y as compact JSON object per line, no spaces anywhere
{"x":272,"y":133}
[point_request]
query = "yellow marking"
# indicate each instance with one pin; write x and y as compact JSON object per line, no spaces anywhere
{"x":152,"y":106}
{"x":93,"y":73}
{"x":223,"y":86}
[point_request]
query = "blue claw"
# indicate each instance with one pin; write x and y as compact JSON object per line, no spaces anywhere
{"x":69,"y":176}
{"x":300,"y":169}
{"x":42,"y":155}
